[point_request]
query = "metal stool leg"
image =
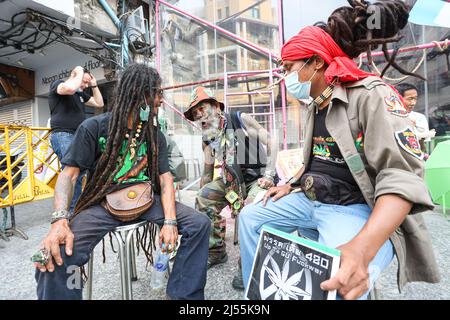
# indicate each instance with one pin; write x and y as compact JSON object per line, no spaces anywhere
{"x":90,"y":274}
{"x":133,"y":261}
{"x":129,"y":262}
{"x":127,"y":259}
{"x":124,"y":275}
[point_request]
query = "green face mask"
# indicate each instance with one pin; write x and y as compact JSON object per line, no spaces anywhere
{"x":144,"y":111}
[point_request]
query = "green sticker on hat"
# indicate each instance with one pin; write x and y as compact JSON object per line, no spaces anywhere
{"x":209,"y":93}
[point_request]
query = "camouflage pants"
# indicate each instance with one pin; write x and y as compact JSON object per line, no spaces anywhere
{"x":211,"y":200}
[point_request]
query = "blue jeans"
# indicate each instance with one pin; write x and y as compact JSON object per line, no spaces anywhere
{"x":331,"y":225}
{"x":187,"y":279}
{"x":60,"y":142}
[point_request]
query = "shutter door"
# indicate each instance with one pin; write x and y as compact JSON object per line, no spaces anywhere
{"x":17,"y":114}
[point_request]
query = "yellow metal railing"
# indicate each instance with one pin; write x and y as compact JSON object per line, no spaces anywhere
{"x":28,"y":166}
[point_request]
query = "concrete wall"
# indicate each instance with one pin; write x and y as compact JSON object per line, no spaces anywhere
{"x":41,"y":112}
{"x":93,"y":13}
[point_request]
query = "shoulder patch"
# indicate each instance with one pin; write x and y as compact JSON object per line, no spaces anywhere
{"x":395,"y":106}
{"x":359,"y":142}
{"x":355,"y":163}
{"x":408,"y":141}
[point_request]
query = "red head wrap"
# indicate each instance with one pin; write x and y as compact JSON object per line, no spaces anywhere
{"x":314,"y":40}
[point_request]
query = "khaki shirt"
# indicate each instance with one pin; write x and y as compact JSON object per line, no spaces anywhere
{"x":389,"y":162}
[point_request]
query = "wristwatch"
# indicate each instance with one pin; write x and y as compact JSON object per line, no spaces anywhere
{"x":60,"y":214}
{"x":170,"y":222}
{"x":295,"y":183}
{"x":270,"y":174}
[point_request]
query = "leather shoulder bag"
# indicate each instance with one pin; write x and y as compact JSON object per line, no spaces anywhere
{"x":129,"y":203}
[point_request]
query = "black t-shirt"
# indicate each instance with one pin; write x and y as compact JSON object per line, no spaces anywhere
{"x":67,"y":111}
{"x":326,"y":156}
{"x":86,"y":149}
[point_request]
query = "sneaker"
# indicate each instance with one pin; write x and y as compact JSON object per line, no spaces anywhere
{"x":238,"y":281}
{"x":216,"y":259}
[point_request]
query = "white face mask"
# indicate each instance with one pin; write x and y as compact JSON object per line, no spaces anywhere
{"x":300,"y":90}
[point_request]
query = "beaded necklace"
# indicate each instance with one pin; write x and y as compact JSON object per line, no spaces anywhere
{"x":133,"y":144}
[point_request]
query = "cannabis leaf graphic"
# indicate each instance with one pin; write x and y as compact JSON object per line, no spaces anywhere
{"x":284,"y":288}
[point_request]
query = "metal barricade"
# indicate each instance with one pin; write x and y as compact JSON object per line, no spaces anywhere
{"x":28,"y":169}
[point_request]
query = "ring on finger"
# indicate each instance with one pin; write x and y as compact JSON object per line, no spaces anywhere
{"x":42,"y":256}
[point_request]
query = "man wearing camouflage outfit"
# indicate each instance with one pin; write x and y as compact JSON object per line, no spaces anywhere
{"x":242,"y":150}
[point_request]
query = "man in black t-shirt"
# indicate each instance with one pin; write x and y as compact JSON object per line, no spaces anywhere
{"x":121,"y":148}
{"x":67,"y":101}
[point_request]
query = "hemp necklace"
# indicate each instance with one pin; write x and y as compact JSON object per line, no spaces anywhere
{"x":324,"y":95}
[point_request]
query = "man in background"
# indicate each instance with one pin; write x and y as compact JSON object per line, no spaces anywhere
{"x":409,"y":93}
{"x":67,"y":103}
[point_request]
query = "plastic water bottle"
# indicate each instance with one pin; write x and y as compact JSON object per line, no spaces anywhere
{"x":159,"y":270}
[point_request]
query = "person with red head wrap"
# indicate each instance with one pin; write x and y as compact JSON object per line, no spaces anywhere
{"x":312,"y":41}
{"x":362,"y":179}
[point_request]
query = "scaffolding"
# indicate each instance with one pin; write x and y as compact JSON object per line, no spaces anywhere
{"x":246,"y":44}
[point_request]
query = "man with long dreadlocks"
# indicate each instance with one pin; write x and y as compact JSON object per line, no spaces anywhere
{"x":120,"y":148}
{"x":362,"y":180}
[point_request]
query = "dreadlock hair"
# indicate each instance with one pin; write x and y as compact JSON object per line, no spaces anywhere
{"x":350,"y":28}
{"x":136,"y":81}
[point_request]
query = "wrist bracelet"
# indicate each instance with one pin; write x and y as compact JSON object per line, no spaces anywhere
{"x":60,"y":214}
{"x":170,"y":222}
{"x":57,"y":219}
{"x":292,"y":180}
